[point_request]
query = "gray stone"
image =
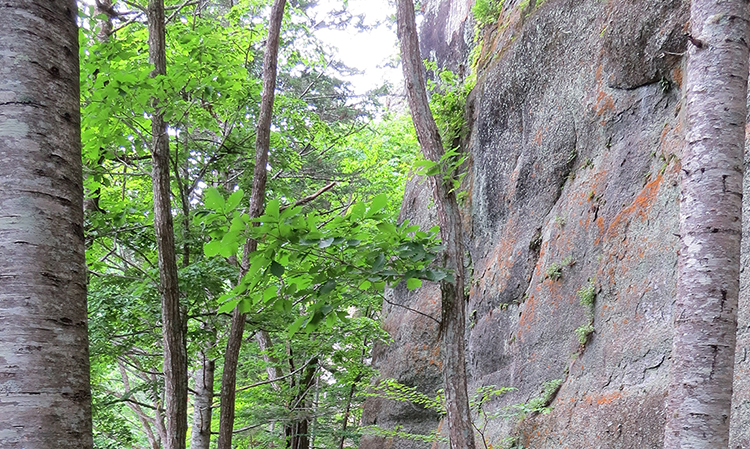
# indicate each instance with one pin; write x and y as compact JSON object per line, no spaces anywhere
{"x":575,"y":147}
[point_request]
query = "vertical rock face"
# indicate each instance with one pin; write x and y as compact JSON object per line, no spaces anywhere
{"x":576,"y":136}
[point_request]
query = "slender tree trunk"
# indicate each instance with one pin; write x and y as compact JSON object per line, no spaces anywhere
{"x":298,"y":435}
{"x":175,"y":357}
{"x":204,"y":389}
{"x":453,"y":322}
{"x":272,"y":365}
{"x":257,"y":200}
{"x":705,"y":313}
{"x":145,"y":420}
{"x":44,"y":374}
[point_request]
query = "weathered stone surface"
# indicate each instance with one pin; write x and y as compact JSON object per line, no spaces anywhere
{"x":575,"y":146}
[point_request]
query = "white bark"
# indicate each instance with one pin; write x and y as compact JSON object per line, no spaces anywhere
{"x":44,"y":363}
{"x":705,"y":313}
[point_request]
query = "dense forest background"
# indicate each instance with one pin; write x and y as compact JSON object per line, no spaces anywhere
{"x":311,"y":320}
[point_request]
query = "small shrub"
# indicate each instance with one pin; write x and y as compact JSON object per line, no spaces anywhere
{"x":487,"y":12}
{"x":587,"y":294}
{"x":583,"y":333}
{"x":554,"y":271}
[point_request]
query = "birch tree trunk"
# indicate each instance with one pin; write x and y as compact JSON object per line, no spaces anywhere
{"x":453,"y":324}
{"x":204,"y":396}
{"x":45,"y":399}
{"x":173,"y":331}
{"x":705,"y":313}
{"x":257,"y":201}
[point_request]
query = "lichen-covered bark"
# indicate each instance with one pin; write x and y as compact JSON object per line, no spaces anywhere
{"x":453,"y":302}
{"x":173,"y":332}
{"x":705,"y":313}
{"x":44,"y":364}
{"x":257,"y":201}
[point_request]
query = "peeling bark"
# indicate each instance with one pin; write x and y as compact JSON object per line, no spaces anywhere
{"x":705,"y":313}
{"x":45,"y":397}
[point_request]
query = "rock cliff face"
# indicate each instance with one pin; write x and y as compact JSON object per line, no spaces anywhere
{"x":575,"y":143}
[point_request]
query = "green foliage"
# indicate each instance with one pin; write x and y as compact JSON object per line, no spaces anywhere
{"x":554,"y":271}
{"x":587,"y":293}
{"x":477,"y":403}
{"x":487,"y":12}
{"x":398,"y":433}
{"x":448,"y":94}
{"x":587,"y":297}
{"x":583,"y":332}
{"x":320,"y":265}
{"x":393,"y":390}
{"x":541,"y":403}
{"x":303,"y":276}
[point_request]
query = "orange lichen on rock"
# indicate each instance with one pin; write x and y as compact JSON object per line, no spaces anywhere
{"x":640,"y":207}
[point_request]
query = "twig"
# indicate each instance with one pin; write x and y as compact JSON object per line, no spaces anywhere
{"x":309,"y":198}
{"x":408,"y":308}
{"x":128,"y":22}
{"x":179,"y":8}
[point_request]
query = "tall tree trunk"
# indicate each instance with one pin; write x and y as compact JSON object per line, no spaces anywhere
{"x":204,"y":396}
{"x":44,"y":374}
{"x":257,"y":200}
{"x":453,"y":322}
{"x":173,"y":334}
{"x":705,"y":313}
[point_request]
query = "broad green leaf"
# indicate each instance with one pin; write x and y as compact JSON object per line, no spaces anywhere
{"x":413,"y":283}
{"x":327,"y":288}
{"x":377,"y":204}
{"x":212,"y":248}
{"x":379,"y":263}
{"x":270,"y":293}
{"x":212,"y":199}
{"x":277,"y":269}
{"x":272,"y":209}
{"x":234,"y":200}
{"x":229,"y":305}
{"x":295,"y":327}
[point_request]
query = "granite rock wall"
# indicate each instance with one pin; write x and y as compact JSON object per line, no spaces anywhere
{"x":575,"y":142}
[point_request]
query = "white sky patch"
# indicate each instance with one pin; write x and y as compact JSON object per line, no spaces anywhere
{"x":368,"y":51}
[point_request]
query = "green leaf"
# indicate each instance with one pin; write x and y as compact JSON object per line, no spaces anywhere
{"x":295,"y":327}
{"x":325,"y":243}
{"x":387,"y":228}
{"x":212,"y":199}
{"x":377,"y":204}
{"x":272,"y":209}
{"x":229,"y":305}
{"x":379,"y":263}
{"x":327,"y":287}
{"x":270,"y":292}
{"x":234,"y":200}
{"x":413,"y":283}
{"x":277,"y":269}
{"x":212,"y":248}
